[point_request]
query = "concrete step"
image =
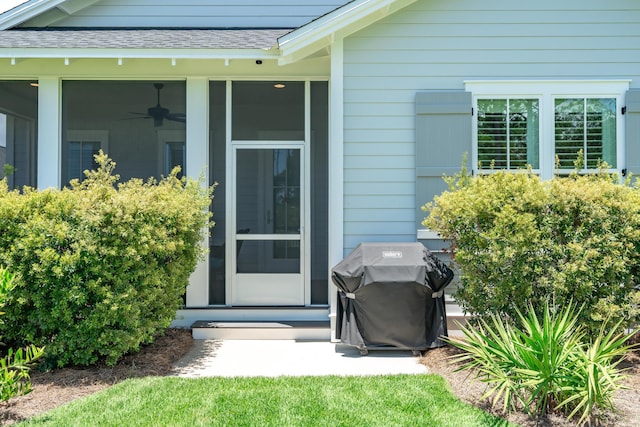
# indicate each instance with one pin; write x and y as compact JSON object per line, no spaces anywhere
{"x":234,"y":330}
{"x":187,"y":316}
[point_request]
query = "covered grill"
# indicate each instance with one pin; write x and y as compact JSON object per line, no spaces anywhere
{"x":391,"y":296}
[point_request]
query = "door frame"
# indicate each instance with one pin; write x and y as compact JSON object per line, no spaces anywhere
{"x":230,"y":214}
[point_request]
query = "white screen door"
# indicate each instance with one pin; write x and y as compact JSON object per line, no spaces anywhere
{"x":267,"y":248}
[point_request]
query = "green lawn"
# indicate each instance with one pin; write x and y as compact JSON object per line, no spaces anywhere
{"x":402,"y":400}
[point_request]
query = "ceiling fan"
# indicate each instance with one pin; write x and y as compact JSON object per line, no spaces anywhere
{"x":159,"y":113}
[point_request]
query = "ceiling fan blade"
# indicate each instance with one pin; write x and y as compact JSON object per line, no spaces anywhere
{"x":135,"y":118}
{"x":180,"y":118}
{"x":139,"y":114}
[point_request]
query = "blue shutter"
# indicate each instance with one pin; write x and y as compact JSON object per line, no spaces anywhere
{"x":443,"y":136}
{"x":632,"y":130}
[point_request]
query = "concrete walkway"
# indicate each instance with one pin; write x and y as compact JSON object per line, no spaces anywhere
{"x":270,"y":358}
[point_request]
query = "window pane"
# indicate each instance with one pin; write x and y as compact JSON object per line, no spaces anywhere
{"x":492,"y":133}
{"x":175,"y":157}
{"x":81,"y":157}
{"x":588,"y":125}
{"x":508,"y":133}
{"x":523,"y":133}
{"x":601,"y":131}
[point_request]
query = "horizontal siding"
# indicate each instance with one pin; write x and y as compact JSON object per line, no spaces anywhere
{"x":402,"y":140}
{"x":375,"y":162}
{"x":352,"y":240}
{"x":384,"y":175}
{"x":200,"y":13}
{"x":371,"y":202}
{"x":378,"y":215}
{"x":438,"y":44}
{"x":373,"y":188}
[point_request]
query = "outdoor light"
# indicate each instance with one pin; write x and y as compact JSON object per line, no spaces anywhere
{"x":279,"y":85}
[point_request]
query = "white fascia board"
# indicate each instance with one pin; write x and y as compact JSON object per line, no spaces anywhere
{"x":24,"y":12}
{"x":345,"y":20}
{"x":42,"y":53}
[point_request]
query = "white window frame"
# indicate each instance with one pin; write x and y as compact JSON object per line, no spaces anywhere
{"x":546,"y":91}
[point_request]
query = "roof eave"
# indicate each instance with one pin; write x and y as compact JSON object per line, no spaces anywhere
{"x":119,"y":53}
{"x":342,"y":22}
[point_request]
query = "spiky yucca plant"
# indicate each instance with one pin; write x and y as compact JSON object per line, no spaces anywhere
{"x":543,"y":365}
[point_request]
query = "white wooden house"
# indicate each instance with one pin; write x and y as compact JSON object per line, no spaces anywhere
{"x":325,"y":123}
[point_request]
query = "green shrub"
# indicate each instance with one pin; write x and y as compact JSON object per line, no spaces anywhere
{"x":545,"y":365}
{"x":100,"y":267}
{"x":519,"y":240}
{"x":15,"y":365}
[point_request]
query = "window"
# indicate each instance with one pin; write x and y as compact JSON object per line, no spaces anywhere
{"x":508,"y":133}
{"x":172,"y":151}
{"x":82,"y":146}
{"x":587,"y":124}
{"x":175,"y":156}
{"x":531,"y":123}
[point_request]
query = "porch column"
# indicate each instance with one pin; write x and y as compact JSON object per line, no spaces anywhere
{"x":49,"y":136}
{"x":197,"y":155}
{"x":336,"y":170}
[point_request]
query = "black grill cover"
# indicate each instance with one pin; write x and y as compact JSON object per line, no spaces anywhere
{"x":391,"y":295}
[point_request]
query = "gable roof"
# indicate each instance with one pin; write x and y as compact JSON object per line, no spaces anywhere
{"x":343,"y":21}
{"x":293,"y":45}
{"x":32,"y":8}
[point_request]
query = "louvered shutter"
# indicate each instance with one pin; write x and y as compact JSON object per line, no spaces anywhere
{"x":632,"y":141}
{"x":443,"y":136}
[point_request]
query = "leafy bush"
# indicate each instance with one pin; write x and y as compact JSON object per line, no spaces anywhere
{"x":100,"y":267}
{"x":521,"y":241}
{"x":545,"y":365}
{"x":15,"y":365}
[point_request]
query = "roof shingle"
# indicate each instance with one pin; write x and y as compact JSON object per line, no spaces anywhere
{"x":143,"y":38}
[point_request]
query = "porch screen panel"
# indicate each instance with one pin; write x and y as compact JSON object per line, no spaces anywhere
{"x":217,"y":171}
{"x":137,"y":116}
{"x":18,"y":136}
{"x":268,"y":111}
{"x":268,"y":202}
{"x":319,"y":194}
